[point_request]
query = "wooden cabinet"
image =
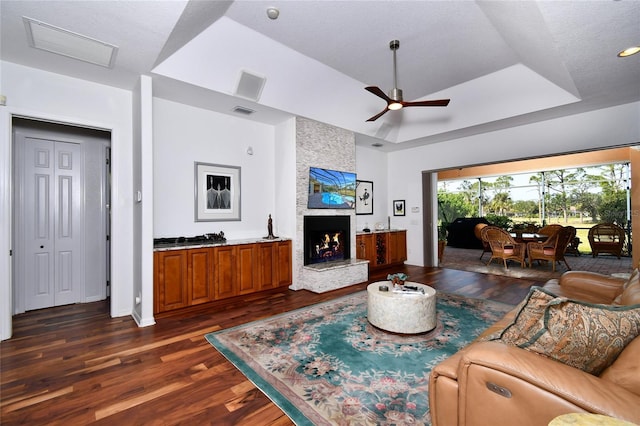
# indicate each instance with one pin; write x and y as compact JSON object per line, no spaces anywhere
{"x":366,"y":247}
{"x":170,"y":276}
{"x":397,"y":247}
{"x":199,"y":276}
{"x":224,"y":272}
{"x":382,"y":249}
{"x":187,"y":277}
{"x":247,"y":265}
{"x":284,"y":274}
{"x":274,"y":265}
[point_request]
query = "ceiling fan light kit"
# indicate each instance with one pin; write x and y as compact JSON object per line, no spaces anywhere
{"x":394,"y":99}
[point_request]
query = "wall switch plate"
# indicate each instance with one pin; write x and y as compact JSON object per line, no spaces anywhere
{"x":415,"y":209}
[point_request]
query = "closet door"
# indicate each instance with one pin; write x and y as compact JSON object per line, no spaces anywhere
{"x":51,"y":208}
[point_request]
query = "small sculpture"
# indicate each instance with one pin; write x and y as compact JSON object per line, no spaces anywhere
{"x":270,"y":229}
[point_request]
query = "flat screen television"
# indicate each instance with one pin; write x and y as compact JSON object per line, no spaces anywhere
{"x":331,"y":189}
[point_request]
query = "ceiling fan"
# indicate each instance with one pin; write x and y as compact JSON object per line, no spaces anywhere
{"x":394,"y":100}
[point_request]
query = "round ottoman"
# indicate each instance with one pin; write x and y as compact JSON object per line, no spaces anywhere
{"x":406,"y":312}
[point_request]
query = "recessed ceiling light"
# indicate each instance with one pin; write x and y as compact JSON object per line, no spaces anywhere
{"x":53,"y":39}
{"x":273,"y":12}
{"x":629,"y":51}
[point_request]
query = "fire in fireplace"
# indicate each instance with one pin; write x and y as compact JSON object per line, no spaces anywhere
{"x":326,"y":239}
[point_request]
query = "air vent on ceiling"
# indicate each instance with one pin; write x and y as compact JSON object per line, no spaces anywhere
{"x":57,"y":40}
{"x":250,"y":85}
{"x":377,"y":145}
{"x":243,"y":110}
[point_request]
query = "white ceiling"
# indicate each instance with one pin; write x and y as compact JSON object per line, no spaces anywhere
{"x":502,"y":63}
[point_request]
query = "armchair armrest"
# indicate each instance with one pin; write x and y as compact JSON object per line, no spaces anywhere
{"x":500,"y":382}
{"x":590,"y":286}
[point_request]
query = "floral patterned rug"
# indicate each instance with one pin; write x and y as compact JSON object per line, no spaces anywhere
{"x":325,"y":364}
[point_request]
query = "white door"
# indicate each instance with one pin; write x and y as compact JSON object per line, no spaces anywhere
{"x":51,"y":208}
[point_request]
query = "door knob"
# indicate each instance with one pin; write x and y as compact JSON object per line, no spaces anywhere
{"x":41,"y":246}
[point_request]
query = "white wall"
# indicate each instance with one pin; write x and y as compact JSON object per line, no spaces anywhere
{"x":37,"y":94}
{"x":592,"y":130}
{"x":184,"y":135}
{"x":284,"y":218}
{"x":142,"y":292}
{"x":371,"y":165}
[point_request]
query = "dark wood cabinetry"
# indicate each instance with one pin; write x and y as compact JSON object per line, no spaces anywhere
{"x":170,"y":277}
{"x":382,"y":249}
{"x":187,"y":277}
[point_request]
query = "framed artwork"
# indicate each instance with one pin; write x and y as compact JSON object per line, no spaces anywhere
{"x":364,"y":197}
{"x":216,"y":192}
{"x":398,"y":207}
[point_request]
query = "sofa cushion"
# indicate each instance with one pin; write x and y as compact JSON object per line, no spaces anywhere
{"x":583,"y":335}
{"x":630,"y":291}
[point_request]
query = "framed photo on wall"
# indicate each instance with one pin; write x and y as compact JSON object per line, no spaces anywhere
{"x":216,"y":192}
{"x":398,"y":207}
{"x":364,"y":197}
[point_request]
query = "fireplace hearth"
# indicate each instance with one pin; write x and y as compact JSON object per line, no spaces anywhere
{"x":326,"y":239}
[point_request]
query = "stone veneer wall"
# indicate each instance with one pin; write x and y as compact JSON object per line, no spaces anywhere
{"x":328,"y":147}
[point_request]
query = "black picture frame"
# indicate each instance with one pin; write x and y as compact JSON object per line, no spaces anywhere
{"x":398,"y":207}
{"x":364,"y":197}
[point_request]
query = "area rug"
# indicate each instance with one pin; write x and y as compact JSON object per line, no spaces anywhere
{"x":325,"y":364}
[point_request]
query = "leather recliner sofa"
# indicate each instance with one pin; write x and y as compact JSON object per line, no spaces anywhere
{"x":493,"y":383}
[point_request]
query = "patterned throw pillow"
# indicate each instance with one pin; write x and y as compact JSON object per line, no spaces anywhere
{"x":527,"y":322}
{"x":583,"y":335}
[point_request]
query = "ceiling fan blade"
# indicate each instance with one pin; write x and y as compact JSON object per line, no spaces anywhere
{"x":378,"y":92}
{"x":380,"y":114}
{"x":438,"y":102}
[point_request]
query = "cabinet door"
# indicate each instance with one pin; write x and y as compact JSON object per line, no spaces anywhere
{"x":200,"y":280}
{"x":283,"y":264}
{"x":170,"y":280}
{"x":224,"y":272}
{"x":246,"y":260}
{"x":267,"y":266}
{"x":397,"y":247}
{"x":366,"y":248}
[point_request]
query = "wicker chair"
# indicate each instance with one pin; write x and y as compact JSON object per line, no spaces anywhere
{"x":503,"y":246}
{"x":549,"y":230}
{"x":574,"y":242}
{"x":477,"y":231}
{"x":553,"y":248}
{"x":606,"y":238}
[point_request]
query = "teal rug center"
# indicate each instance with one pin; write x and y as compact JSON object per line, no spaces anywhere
{"x":325,"y":364}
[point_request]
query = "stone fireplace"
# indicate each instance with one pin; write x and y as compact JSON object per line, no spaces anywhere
{"x":321,"y":145}
{"x":326,"y":239}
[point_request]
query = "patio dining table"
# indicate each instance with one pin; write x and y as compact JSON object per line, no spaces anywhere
{"x":526,"y":237}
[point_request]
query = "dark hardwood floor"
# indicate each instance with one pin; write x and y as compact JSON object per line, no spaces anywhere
{"x":75,"y":365}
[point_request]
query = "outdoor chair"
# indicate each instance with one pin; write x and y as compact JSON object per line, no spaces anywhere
{"x":549,"y":230}
{"x":503,"y":246}
{"x":477,"y":231}
{"x":553,"y":249}
{"x":574,"y":242}
{"x":606,"y":238}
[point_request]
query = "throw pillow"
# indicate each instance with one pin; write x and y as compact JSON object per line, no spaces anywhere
{"x":526,"y":322}
{"x":583,"y":335}
{"x":586,"y":336}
